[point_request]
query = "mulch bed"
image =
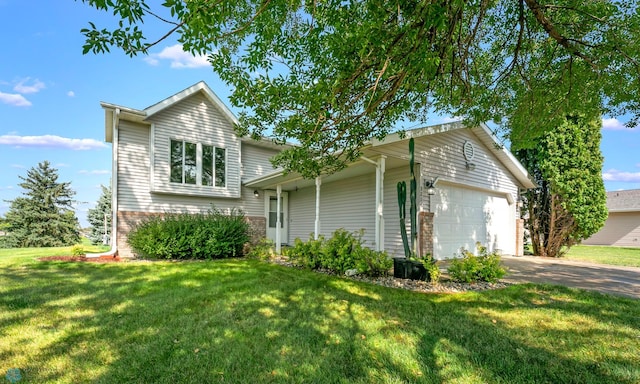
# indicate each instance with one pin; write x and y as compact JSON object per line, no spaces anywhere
{"x":81,"y":259}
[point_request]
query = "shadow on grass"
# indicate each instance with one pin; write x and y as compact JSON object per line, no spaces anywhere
{"x":244,"y":321}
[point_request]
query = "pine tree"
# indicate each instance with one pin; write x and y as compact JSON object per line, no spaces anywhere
{"x":100,"y":217}
{"x":570,"y":203}
{"x":43,"y":216}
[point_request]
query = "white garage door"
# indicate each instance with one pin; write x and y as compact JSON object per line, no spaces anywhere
{"x":464,"y":216}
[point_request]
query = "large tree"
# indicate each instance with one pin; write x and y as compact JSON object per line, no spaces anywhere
{"x":100,"y":217}
{"x":569,"y":204}
{"x":333,"y":74}
{"x":44,"y":215}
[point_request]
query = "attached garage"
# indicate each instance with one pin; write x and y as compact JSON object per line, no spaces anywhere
{"x":463,"y":216}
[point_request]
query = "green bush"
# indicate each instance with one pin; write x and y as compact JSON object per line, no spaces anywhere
{"x":338,"y":252}
{"x":264,"y":250}
{"x":471,"y":268}
{"x":372,"y":263}
{"x":343,"y":251}
{"x":306,"y":254}
{"x":77,"y":250}
{"x":209,"y":235}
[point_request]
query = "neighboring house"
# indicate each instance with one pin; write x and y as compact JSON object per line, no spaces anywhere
{"x":622,"y":227}
{"x":182,"y":154}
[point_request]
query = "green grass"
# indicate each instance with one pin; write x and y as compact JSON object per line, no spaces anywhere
{"x":605,"y":255}
{"x":239,"y":321}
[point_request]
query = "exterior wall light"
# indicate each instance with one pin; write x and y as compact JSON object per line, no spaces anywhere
{"x":256,"y":193}
{"x":431,"y":186}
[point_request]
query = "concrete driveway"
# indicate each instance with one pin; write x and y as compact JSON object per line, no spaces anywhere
{"x":622,"y":281}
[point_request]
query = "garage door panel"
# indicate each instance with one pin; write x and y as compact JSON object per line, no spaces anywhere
{"x":465,"y":216}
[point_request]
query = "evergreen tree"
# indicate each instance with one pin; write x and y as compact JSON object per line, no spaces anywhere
{"x":570,"y":203}
{"x":100,"y":217}
{"x":43,"y":216}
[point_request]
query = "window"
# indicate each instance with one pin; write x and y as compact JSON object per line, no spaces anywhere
{"x":186,"y":169}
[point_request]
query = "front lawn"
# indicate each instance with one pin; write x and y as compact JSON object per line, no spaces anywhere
{"x":240,"y":321}
{"x":605,"y":255}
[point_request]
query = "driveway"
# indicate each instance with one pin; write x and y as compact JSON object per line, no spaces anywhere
{"x":622,"y":281}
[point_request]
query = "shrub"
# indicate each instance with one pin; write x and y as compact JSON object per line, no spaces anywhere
{"x":372,"y":263}
{"x":77,"y":250}
{"x":471,"y":268}
{"x":338,"y":252}
{"x":209,"y":235}
{"x":306,"y":254}
{"x":262,"y":251}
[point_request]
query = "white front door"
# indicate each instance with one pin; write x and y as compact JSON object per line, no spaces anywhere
{"x":271,"y":206}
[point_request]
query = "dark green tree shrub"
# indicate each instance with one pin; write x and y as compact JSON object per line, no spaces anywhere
{"x":472,"y":269}
{"x":44,"y":215}
{"x":338,"y":252}
{"x":100,"y":217}
{"x":210,"y":235}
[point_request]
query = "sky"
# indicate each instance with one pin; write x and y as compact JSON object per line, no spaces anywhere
{"x":50,"y":96}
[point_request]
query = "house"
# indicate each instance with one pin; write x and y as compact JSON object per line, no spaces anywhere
{"x":182,"y":154}
{"x":622,"y":228}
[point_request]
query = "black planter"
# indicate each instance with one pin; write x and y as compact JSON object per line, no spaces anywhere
{"x":409,"y":269}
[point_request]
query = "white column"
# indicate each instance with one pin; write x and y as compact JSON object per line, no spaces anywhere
{"x":278,"y":223}
{"x":377,"y":211}
{"x":382,"y":163}
{"x":317,"y":226}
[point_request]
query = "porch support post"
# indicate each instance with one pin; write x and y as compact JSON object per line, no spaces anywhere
{"x":379,"y":218}
{"x":278,"y":223}
{"x":317,"y":226}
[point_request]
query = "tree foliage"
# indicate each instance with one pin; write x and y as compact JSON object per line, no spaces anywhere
{"x":570,"y":203}
{"x":100,"y":217}
{"x":43,"y":216}
{"x":334,"y":74}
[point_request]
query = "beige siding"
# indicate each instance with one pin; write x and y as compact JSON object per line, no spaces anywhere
{"x":622,"y":229}
{"x":196,"y":120}
{"x":347,"y":203}
{"x":133,"y":181}
{"x":441,"y":155}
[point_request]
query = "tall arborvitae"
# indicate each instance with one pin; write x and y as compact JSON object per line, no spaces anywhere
{"x":570,"y":203}
{"x":43,"y":216}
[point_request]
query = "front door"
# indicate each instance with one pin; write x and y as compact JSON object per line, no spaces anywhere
{"x":271,"y":206}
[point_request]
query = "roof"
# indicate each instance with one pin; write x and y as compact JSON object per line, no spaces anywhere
{"x":482,"y":132}
{"x":132,"y":114}
{"x":624,"y":201}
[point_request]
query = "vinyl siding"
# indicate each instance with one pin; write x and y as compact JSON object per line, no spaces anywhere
{"x":134,"y":174}
{"x":255,"y":162}
{"x":392,"y":237}
{"x":441,"y":155}
{"x":196,"y":120}
{"x":347,"y":203}
{"x":622,"y":229}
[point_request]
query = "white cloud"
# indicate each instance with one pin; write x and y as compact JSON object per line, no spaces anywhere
{"x":14,"y":99}
{"x":71,"y":94}
{"x":95,"y":172}
{"x":615,"y":175}
{"x":51,"y":141}
{"x":18,"y":166}
{"x":25,"y":88}
{"x":61,"y":165}
{"x":612,"y":124}
{"x":178,"y":58}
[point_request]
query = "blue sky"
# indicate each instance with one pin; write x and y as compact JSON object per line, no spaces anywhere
{"x":50,"y":95}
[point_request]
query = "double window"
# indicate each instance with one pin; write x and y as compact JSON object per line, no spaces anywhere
{"x":198,"y":164}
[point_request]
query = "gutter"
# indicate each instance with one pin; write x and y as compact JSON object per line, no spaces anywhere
{"x":114,"y":190}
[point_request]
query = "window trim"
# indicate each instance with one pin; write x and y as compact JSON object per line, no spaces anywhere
{"x":199,"y":164}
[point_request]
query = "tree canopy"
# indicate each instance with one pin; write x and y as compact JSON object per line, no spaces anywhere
{"x":100,"y":217}
{"x":331,"y":75}
{"x":43,"y":216}
{"x":569,"y":204}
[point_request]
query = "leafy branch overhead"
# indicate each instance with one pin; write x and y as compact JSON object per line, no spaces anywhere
{"x":332,"y":75}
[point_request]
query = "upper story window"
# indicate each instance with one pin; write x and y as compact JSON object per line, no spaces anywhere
{"x":197,"y":164}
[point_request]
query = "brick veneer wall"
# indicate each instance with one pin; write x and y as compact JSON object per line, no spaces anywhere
{"x":426,"y":233}
{"x":519,"y":237}
{"x":128,"y":219}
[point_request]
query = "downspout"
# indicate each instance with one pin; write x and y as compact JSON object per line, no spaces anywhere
{"x":114,"y":188}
